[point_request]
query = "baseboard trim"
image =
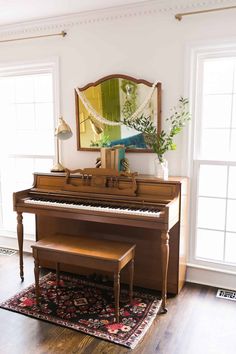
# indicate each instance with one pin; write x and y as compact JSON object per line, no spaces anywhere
{"x":211,"y":277}
{"x":11,"y":242}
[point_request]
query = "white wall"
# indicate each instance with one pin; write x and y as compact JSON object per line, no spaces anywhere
{"x":149,"y":46}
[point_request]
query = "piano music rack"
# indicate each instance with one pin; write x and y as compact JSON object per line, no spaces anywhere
{"x":102,"y":180}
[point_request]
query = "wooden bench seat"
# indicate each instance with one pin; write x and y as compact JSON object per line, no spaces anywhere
{"x":104,"y":255}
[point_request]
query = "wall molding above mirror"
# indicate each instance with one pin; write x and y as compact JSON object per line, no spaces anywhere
{"x":101,"y":106}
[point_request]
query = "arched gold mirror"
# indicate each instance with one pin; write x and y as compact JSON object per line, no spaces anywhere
{"x":103,"y":105}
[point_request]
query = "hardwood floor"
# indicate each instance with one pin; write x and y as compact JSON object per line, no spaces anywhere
{"x":196,"y":323}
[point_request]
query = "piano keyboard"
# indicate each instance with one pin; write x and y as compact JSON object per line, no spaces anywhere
{"x":149,"y":212}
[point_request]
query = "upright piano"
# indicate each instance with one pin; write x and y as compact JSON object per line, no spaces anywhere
{"x":104,"y":204}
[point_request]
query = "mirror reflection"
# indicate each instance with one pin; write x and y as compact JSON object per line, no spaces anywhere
{"x":101,"y":107}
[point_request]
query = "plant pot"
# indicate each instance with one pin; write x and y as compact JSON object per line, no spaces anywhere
{"x":161,"y":169}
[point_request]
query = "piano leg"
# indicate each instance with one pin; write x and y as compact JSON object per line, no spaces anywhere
{"x":20,"y":242}
{"x":117,"y":295}
{"x":164,"y":265}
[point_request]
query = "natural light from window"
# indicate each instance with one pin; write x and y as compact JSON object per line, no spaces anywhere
{"x":27,"y":142}
{"x":215,"y":161}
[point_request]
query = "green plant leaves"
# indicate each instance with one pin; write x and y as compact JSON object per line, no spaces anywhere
{"x":163,"y":141}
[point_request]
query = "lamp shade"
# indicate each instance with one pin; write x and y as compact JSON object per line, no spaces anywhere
{"x":63,"y":130}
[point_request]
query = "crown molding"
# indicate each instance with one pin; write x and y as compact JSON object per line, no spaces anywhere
{"x":143,"y":9}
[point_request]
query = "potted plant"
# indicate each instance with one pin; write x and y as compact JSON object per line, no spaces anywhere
{"x":164,"y":141}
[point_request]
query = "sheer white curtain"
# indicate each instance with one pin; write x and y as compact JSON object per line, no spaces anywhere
{"x":27,"y":137}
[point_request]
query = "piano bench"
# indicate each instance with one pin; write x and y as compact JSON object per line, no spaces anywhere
{"x":81,"y":251}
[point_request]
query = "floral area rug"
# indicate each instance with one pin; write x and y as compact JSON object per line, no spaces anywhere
{"x":87,"y":307}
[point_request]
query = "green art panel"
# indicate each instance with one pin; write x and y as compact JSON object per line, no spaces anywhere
{"x":111,"y":107}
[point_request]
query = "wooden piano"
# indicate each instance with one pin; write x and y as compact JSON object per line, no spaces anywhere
{"x":102,"y":203}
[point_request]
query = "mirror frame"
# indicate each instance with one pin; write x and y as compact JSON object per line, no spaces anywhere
{"x":121,"y":76}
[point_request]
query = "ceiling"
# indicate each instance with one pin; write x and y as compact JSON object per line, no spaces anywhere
{"x":15,"y":11}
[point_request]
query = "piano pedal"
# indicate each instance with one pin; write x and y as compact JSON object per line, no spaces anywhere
{"x":105,"y":278}
{"x":92,"y":277}
{"x":100,"y":278}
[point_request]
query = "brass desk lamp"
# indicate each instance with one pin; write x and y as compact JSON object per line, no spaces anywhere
{"x":62,"y":132}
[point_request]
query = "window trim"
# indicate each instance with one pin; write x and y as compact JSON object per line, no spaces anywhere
{"x":47,"y":65}
{"x":195,"y":54}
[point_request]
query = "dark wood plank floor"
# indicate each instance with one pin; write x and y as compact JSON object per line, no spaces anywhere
{"x":196,"y":323}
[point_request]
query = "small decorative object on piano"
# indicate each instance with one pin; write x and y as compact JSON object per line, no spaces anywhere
{"x":112,"y":157}
{"x":125,"y":165}
{"x":98,"y":162}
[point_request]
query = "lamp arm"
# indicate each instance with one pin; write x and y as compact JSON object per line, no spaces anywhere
{"x":85,"y":120}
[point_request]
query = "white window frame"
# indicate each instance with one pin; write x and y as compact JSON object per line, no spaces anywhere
{"x":195,"y":53}
{"x":34,"y":67}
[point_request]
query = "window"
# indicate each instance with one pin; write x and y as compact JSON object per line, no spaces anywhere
{"x":214,"y":162}
{"x":27,"y":108}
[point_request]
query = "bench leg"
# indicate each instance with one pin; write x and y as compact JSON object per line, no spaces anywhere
{"x":131,"y":280}
{"x":58,"y":273}
{"x":36,"y":275}
{"x":117,"y":294}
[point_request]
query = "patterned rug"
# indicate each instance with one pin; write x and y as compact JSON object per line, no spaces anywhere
{"x":88,"y":307}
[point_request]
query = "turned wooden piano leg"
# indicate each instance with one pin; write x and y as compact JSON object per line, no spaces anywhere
{"x":117,"y":295}
{"x":164,"y":264}
{"x":20,"y":242}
